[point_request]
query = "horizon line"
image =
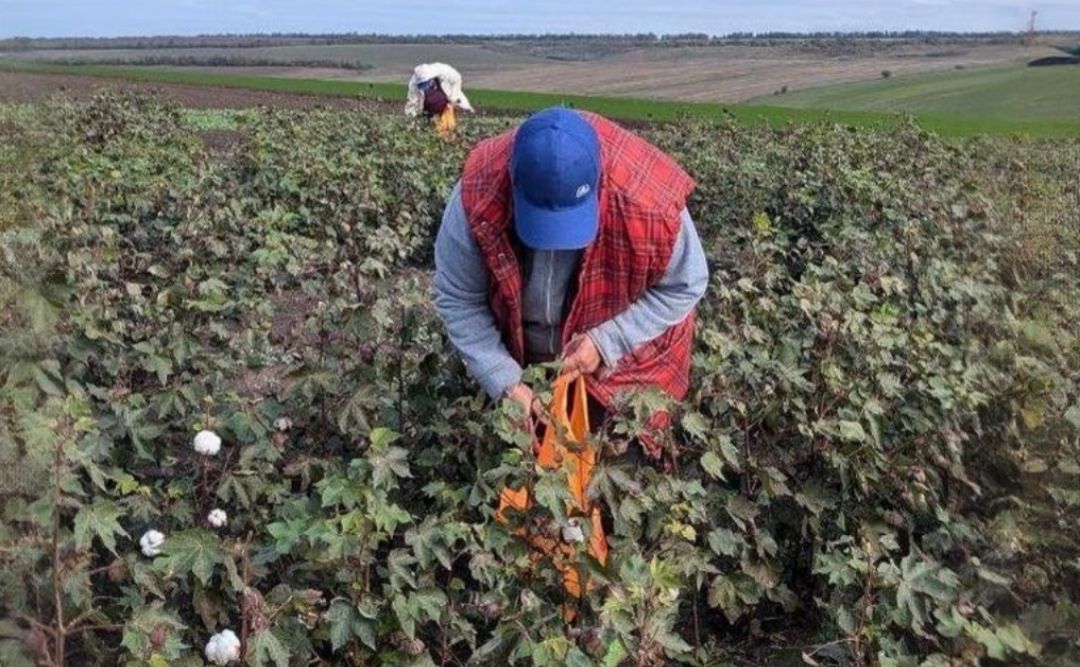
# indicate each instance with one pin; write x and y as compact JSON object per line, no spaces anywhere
{"x":734,"y":35}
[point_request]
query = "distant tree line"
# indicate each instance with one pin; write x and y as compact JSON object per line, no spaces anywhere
{"x":211,"y":61}
{"x":625,"y":40}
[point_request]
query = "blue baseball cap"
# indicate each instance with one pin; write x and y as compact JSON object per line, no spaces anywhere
{"x":555,"y":169}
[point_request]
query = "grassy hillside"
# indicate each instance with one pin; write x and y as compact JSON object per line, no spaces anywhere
{"x":1015,"y":93}
{"x":625,"y":108}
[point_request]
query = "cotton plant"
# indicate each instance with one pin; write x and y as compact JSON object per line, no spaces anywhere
{"x":223,"y":648}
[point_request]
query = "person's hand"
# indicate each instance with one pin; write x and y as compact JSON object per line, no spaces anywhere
{"x":581,"y":357}
{"x":521,"y":394}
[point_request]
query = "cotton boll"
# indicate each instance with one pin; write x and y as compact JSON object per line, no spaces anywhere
{"x":223,"y":648}
{"x":151,"y":543}
{"x":207,"y":443}
{"x":217,"y":518}
{"x":283,"y":424}
{"x":572,"y":533}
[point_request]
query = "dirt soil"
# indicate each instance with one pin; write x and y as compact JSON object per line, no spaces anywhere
{"x":707,"y":74}
{"x":729,"y":73}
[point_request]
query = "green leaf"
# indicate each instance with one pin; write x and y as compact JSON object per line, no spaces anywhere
{"x":764,"y":571}
{"x":731,"y":453}
{"x":575,"y":657}
{"x":993,"y":577}
{"x":923,"y":577}
{"x":673,"y":644}
{"x":1015,"y":639}
{"x":141,"y":625}
{"x":196,"y":551}
{"x":38,"y":310}
{"x":712,"y":464}
{"x":344,"y":623}
{"x":424,"y":605}
{"x":401,"y":608}
{"x":160,"y":366}
{"x":741,"y":510}
{"x":388,"y":465}
{"x":12,"y":654}
{"x":845,"y":620}
{"x":551,"y":492}
{"x":365,"y":630}
{"x":815,"y":497}
{"x":265,"y":648}
{"x":382,"y":437}
{"x":430,"y":601}
{"x":724,"y":596}
{"x":46,"y":374}
{"x":695,"y":424}
{"x":428,"y":543}
{"x":615,"y":654}
{"x":725,"y":542}
{"x":762,"y":224}
{"x":100,"y":520}
{"x":985,"y":636}
{"x":1072,"y":415}
{"x":852,"y":431}
{"x":399,"y":564}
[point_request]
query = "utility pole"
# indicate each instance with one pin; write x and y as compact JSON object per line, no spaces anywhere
{"x":1031,"y":36}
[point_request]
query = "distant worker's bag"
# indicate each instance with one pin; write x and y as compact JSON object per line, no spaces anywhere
{"x":576,"y":454}
{"x":446,"y":122}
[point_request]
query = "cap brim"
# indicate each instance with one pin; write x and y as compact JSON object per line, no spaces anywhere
{"x":561,"y":229}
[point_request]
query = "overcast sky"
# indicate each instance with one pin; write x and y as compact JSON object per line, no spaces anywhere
{"x":185,"y":17}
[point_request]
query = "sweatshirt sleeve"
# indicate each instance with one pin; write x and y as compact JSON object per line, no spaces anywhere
{"x":461,"y":297}
{"x":663,"y":305}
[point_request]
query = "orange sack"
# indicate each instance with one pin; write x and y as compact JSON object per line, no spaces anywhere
{"x":573,"y":452}
{"x":446,"y":122}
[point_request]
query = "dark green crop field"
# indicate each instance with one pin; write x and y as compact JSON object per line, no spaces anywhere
{"x":1035,"y":95}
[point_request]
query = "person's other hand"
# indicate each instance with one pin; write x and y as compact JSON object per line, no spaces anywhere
{"x":581,"y":357}
{"x":521,"y":394}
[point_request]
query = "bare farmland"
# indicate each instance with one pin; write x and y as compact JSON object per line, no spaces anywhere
{"x":730,"y":73}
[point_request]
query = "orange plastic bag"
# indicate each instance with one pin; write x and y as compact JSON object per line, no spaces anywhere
{"x":446,"y":123}
{"x":579,"y":459}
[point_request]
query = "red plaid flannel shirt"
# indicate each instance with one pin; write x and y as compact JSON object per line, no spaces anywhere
{"x":642,"y":193}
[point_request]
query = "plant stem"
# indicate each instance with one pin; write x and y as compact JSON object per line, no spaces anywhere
{"x":60,"y":633}
{"x":104,"y":627}
{"x":401,"y":373}
{"x":245,"y":575}
{"x":697,"y":626}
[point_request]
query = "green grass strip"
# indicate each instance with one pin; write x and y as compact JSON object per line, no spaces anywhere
{"x":614,"y":107}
